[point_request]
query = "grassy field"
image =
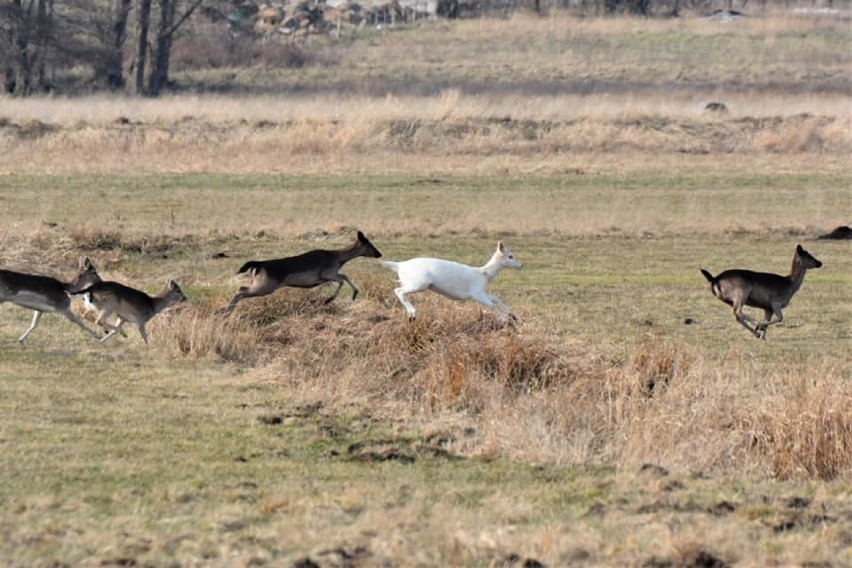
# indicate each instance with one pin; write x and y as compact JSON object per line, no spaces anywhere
{"x":628,"y":420}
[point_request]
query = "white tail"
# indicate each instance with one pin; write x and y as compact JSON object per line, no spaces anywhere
{"x":764,"y":290}
{"x":129,"y":304}
{"x":454,"y":280}
{"x":44,"y":294}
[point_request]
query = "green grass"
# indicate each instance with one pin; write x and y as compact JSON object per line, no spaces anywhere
{"x":124,"y":457}
{"x":683,"y":202}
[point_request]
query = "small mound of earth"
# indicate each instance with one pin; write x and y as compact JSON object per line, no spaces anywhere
{"x":839,"y":234}
{"x":714,"y":107}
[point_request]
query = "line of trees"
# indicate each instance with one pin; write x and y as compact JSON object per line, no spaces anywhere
{"x":126,"y":45}
{"x":39,"y":38}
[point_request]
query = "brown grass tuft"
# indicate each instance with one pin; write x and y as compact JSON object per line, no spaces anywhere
{"x":655,"y":364}
{"x":810,"y":434}
{"x":198,"y":330}
{"x":89,"y":237}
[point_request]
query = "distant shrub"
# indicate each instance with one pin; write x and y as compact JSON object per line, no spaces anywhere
{"x":209,"y":52}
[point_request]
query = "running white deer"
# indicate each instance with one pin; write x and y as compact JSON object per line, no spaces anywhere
{"x":764,"y":290}
{"x":454,"y":280}
{"x":306,"y":270}
{"x":128,"y":304}
{"x":45,"y":294}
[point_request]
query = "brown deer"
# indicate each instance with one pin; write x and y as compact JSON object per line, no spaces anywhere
{"x":45,"y":294}
{"x":764,"y":290}
{"x":128,"y":304}
{"x":303,"y":271}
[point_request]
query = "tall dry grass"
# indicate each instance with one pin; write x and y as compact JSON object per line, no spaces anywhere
{"x":407,"y":144}
{"x":527,"y":394}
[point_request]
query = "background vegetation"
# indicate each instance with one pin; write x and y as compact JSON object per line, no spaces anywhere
{"x":627,"y":421}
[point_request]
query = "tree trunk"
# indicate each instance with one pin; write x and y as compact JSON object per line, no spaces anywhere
{"x":163,"y":49}
{"x":142,"y":46}
{"x":169,"y":24}
{"x":109,"y":66}
{"x":21,"y":42}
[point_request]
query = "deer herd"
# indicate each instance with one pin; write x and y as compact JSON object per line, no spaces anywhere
{"x":43,"y":294}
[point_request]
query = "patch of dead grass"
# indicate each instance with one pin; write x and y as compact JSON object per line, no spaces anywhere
{"x":523,"y":393}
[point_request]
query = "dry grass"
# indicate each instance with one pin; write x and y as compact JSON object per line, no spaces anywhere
{"x":303,"y":144}
{"x":529,"y":395}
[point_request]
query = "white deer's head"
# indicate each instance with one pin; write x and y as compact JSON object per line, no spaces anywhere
{"x":506,"y":258}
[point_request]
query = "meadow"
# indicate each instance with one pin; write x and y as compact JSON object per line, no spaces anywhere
{"x":627,"y":420}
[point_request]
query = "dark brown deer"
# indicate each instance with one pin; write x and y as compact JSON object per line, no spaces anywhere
{"x":303,"y":271}
{"x":46,"y":294}
{"x":764,"y":290}
{"x":128,"y":304}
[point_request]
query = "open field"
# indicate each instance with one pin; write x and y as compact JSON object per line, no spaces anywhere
{"x":627,"y":421}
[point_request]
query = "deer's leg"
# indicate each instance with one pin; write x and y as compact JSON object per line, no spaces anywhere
{"x":409,"y":307}
{"x":331,"y":298}
{"x":251,"y":291}
{"x":355,"y":289}
{"x":73,"y":317}
{"x":340,"y":278}
{"x":489,"y":302}
{"x":745,"y":321}
{"x":226,"y":311}
{"x":773,"y":317}
{"x":102,"y":321}
{"x":33,"y":324}
{"x":143,"y":333}
{"x":108,"y":335}
{"x":110,"y":328}
{"x":504,"y":307}
{"x":117,"y":328}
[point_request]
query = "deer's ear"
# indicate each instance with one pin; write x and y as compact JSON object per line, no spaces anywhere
{"x":799,"y":249}
{"x":500,"y":246}
{"x":86,"y":264}
{"x":361,"y":236}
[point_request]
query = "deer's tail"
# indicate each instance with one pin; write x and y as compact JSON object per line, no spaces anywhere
{"x":714,"y":283}
{"x":390,"y":265}
{"x":250,"y":266}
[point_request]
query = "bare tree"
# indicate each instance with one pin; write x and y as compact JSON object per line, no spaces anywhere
{"x":171,"y":18}
{"x":109,"y":67}
{"x":25,"y":27}
{"x":170,"y":22}
{"x":142,"y":46}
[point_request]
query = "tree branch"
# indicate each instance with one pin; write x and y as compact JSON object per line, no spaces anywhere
{"x":182,"y":19}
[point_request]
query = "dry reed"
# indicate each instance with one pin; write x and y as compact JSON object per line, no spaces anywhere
{"x":525,"y":394}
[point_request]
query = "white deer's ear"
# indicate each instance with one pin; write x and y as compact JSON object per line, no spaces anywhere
{"x":500,"y":246}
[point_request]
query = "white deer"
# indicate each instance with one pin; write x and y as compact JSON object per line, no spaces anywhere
{"x":454,"y":280}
